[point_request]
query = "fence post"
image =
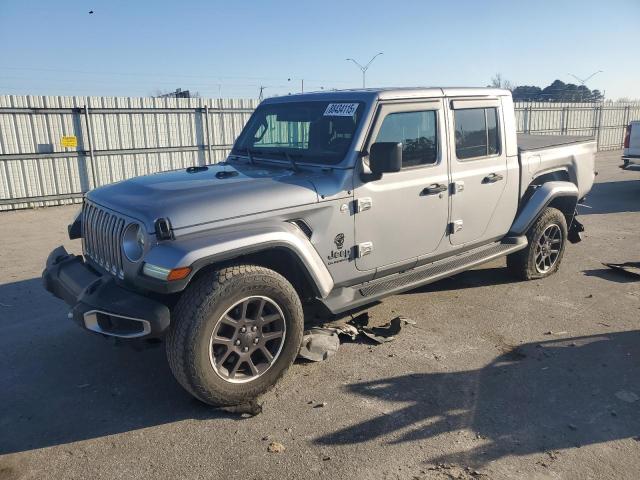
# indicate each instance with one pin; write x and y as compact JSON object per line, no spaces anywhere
{"x":88,"y":123}
{"x":599,"y":127}
{"x":208,"y":132}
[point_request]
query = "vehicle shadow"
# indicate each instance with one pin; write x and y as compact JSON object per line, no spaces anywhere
{"x":612,"y":197}
{"x":536,"y":398}
{"x":60,"y":384}
{"x":611,"y":275}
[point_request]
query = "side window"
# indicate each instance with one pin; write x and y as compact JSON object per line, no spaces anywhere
{"x":477,"y":133}
{"x":418,"y":133}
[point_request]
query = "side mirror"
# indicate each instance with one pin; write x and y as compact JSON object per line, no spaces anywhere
{"x":385,"y":157}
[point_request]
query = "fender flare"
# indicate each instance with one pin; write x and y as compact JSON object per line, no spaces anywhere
{"x":541,"y":198}
{"x":200,"y":250}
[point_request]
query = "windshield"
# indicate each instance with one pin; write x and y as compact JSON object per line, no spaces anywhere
{"x":314,"y":132}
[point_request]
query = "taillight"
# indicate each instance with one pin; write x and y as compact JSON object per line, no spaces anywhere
{"x":627,"y":136}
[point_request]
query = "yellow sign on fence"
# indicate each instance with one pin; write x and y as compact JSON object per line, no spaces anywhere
{"x":71,"y":141}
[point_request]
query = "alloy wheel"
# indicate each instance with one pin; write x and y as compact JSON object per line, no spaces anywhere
{"x":548,"y":248}
{"x":247,"y":339}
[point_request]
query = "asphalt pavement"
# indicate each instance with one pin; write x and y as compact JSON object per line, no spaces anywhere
{"x":497,"y":379}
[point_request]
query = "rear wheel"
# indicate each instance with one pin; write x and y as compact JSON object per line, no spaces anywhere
{"x":234,"y":335}
{"x":547,"y":239}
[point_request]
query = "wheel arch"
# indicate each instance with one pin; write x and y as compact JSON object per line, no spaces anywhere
{"x":282,"y":247}
{"x":280,"y":259}
{"x":562,"y":195}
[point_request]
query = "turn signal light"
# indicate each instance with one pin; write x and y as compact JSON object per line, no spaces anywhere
{"x":179,"y":273}
{"x":627,"y":136}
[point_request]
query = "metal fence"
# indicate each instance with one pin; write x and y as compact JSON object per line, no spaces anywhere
{"x":606,"y":122}
{"x":53,"y":149}
{"x":109,"y":139}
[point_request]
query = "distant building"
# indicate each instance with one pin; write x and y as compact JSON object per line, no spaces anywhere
{"x":179,"y":93}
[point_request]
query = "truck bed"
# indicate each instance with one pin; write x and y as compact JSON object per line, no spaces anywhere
{"x":527,"y":142}
{"x":572,"y":157}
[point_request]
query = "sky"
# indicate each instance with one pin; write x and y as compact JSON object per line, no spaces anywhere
{"x":232,"y":48}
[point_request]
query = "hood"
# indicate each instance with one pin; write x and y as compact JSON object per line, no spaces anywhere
{"x":201,"y":195}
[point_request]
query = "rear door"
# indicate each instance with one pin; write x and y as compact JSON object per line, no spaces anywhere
{"x":478,"y":168}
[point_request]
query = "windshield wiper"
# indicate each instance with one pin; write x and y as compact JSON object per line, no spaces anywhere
{"x":289,"y":157}
{"x":249,"y":153}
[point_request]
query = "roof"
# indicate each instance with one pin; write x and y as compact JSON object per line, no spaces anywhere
{"x":370,"y":94}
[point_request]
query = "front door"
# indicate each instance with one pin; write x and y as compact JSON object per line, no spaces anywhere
{"x":478,"y":170}
{"x":404,"y":214}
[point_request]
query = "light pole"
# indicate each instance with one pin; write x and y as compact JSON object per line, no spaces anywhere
{"x":584,"y":80}
{"x":366,"y":67}
{"x":301,"y":84}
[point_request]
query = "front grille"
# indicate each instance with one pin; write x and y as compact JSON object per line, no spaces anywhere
{"x":102,"y":237}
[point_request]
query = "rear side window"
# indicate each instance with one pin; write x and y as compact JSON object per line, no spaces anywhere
{"x":417,"y":131}
{"x":477,"y":133}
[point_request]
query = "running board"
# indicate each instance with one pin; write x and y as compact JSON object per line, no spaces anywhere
{"x":351,"y":297}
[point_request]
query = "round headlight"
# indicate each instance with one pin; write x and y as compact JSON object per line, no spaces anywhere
{"x":133,"y":242}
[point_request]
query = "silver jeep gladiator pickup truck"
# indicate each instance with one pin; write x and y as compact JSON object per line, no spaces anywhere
{"x":334,"y":199}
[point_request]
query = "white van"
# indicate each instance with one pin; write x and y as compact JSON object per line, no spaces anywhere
{"x":631,"y":153}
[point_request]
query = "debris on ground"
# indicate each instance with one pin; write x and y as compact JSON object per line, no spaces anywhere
{"x":348,"y":330}
{"x":627,"y":396}
{"x":276,"y":447}
{"x":320,"y":343}
{"x":249,"y":409}
{"x":382,"y":334}
{"x":454,"y":471}
{"x":320,"y":405}
{"x":551,"y":332}
{"x":629,"y":268}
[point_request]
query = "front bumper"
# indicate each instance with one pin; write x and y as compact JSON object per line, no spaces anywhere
{"x":98,"y":303}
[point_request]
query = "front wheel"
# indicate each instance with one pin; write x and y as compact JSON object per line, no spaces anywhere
{"x":547,"y":239}
{"x":234,"y":334}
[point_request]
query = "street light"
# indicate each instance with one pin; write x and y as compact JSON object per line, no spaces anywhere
{"x":584,"y":80}
{"x":366,"y":67}
{"x":301,"y":84}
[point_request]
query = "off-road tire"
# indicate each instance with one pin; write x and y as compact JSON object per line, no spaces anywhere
{"x":196,"y":314}
{"x":522,"y":264}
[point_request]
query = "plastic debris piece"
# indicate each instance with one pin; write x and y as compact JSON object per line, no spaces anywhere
{"x":318,"y":344}
{"x":348,"y":331}
{"x":385,"y":333}
{"x":360,"y":321}
{"x":407,"y":321}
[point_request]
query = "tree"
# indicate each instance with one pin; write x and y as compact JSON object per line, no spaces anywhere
{"x":497,"y":81}
{"x":526,"y":93}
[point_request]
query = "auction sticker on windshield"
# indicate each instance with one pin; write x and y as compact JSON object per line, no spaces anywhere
{"x":341,"y":110}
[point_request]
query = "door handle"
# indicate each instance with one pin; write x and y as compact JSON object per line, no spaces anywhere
{"x":492,"y":178}
{"x":434,"y":189}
